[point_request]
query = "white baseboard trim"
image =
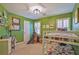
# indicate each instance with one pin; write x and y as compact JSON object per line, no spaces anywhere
{"x":19,"y":43}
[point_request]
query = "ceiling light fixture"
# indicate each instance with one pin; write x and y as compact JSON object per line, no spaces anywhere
{"x":36,"y":9}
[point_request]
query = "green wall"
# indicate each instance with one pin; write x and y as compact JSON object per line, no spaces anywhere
{"x":53,"y":19}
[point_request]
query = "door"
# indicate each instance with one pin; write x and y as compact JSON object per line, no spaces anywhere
{"x":26,"y":31}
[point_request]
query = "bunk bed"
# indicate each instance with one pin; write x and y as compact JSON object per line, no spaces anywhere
{"x":59,"y":37}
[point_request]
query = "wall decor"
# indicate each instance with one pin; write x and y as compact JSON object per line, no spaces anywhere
{"x":47,"y":26}
{"x":15,"y":24}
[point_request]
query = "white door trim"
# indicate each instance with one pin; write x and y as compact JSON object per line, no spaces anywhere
{"x":26,"y":31}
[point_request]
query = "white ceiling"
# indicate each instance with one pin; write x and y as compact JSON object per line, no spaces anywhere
{"x":51,"y":9}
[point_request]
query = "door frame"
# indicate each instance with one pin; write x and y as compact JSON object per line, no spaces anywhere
{"x":24,"y":31}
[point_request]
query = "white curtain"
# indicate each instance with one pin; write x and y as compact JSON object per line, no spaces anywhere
{"x":63,"y":23}
{"x":37,"y":27}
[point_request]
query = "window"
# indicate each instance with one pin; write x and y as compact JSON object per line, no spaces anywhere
{"x":63,"y":24}
{"x":59,"y":24}
{"x":37,"y":27}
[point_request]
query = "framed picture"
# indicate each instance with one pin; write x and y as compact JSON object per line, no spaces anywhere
{"x":15,"y":24}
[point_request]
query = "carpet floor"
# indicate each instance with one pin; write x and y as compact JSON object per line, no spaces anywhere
{"x":28,"y":49}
